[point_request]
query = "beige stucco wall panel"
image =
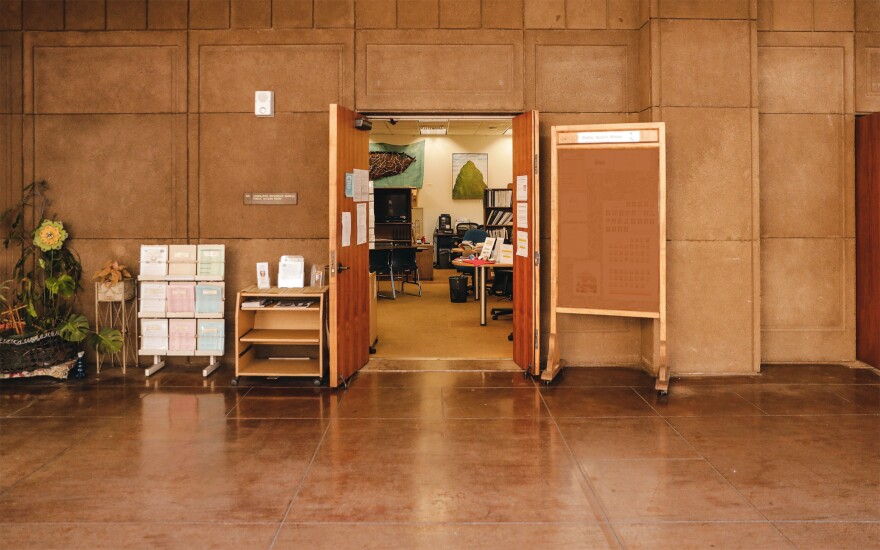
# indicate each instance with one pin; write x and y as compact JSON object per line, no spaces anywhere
{"x":460,"y":14}
{"x":84,"y":15}
{"x":444,"y":70}
{"x":586,"y":14}
{"x":418,"y":14}
{"x":241,"y":153}
{"x":11,"y":68}
{"x":167,"y":14}
{"x":330,"y":14}
{"x":292,"y":14}
{"x":867,"y":16}
{"x":43,"y":15}
{"x":113,"y":72}
{"x":127,"y":15}
{"x":705,"y":63}
{"x":226,"y":68}
{"x":502,"y":14}
{"x":124,"y":174}
{"x":376,"y":14}
{"x":250,"y":14}
{"x":544,"y":14}
{"x":704,"y":9}
{"x":208,"y":14}
{"x":10,"y":15}
{"x":867,"y":72}
{"x":709,"y":173}
{"x":582,"y":71}
{"x":808,"y":306}
{"x":807,"y":187}
{"x":710,"y":307}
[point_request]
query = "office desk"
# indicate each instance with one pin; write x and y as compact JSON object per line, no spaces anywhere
{"x":480,"y":282}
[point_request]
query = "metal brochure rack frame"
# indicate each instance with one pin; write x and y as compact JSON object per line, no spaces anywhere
{"x":159,"y":354}
{"x":614,"y":184}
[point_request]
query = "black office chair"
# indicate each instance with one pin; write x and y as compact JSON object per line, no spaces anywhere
{"x":404,"y":266}
{"x":464,"y":227}
{"x":475,"y":236}
{"x":502,"y":286}
{"x":380,"y":263}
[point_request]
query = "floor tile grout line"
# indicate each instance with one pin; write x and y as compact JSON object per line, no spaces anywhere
{"x":584,"y":476}
{"x":726,"y":480}
{"x":305,"y":474}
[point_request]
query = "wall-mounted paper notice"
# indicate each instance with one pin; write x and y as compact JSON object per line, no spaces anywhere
{"x":346,"y":228}
{"x":349,"y":185}
{"x":522,"y":188}
{"x":362,"y":185}
{"x":362,"y":223}
{"x":522,"y":215}
{"x":522,"y":243}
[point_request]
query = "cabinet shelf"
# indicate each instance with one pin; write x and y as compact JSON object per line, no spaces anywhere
{"x":282,"y":336}
{"x":280,"y":367}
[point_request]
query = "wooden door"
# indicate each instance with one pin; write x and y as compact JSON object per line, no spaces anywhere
{"x":868,"y":239}
{"x":526,"y":276}
{"x":349,"y":308}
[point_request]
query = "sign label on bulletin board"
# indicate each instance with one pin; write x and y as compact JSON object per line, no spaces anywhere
{"x":609,"y":137}
{"x":270,"y":198}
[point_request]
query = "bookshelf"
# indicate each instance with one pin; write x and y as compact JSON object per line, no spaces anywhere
{"x":498,"y":213}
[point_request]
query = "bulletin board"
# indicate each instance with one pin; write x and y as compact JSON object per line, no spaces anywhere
{"x":608,"y":228}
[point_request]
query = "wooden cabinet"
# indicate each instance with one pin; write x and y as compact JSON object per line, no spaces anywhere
{"x":498,"y":213}
{"x":284,"y":335}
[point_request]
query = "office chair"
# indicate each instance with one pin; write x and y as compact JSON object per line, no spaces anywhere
{"x":475,"y":236}
{"x":502,"y":286}
{"x":380,"y":263}
{"x":403,"y":266}
{"x":462,"y":228}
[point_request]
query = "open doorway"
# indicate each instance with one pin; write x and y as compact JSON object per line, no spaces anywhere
{"x":436,"y":320}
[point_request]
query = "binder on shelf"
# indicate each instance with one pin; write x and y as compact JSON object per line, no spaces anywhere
{"x":211,"y":336}
{"x":180,"y":299}
{"x":182,"y":335}
{"x":209,"y":299}
{"x":211,"y":253}
{"x":153,"y":298}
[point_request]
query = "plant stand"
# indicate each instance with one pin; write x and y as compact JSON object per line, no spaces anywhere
{"x":117,"y":308}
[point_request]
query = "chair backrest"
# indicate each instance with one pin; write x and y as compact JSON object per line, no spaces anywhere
{"x":380,"y":260}
{"x":475,"y":235}
{"x":403,"y":258}
{"x":462,"y":228}
{"x":503,"y":283}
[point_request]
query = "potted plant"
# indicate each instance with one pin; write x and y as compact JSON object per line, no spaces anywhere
{"x":46,"y":278}
{"x":113,"y":283}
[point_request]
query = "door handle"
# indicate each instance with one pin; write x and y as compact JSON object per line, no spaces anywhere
{"x":342,"y":268}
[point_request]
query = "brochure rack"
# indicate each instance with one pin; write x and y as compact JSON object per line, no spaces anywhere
{"x":181,"y":304}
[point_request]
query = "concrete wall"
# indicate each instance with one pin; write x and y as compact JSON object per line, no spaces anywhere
{"x":139,"y":112}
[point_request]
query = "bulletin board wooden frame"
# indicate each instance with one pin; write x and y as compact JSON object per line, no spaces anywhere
{"x":608,"y":232}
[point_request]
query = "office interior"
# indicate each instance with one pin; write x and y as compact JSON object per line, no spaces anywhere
{"x":140,"y":114}
{"x":455,"y":331}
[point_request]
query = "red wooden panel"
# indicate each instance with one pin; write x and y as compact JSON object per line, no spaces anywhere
{"x":526,"y":294}
{"x":349,"y":288}
{"x":868,"y":239}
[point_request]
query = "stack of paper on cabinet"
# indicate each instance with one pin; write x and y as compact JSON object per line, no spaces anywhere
{"x":154,"y":260}
{"x":182,"y":260}
{"x":153,"y":299}
{"x":209,"y":299}
{"x":182,"y":335}
{"x":211,"y":335}
{"x":180,"y":299}
{"x":154,"y":334}
{"x":212,"y":258}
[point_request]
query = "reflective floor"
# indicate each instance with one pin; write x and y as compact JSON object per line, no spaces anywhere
{"x":788,"y":459}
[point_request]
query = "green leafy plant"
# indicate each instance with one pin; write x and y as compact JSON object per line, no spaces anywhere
{"x":46,"y":277}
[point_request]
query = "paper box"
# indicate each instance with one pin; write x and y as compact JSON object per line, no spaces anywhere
{"x":182,"y":335}
{"x":211,"y":335}
{"x":211,"y":253}
{"x":182,"y":253}
{"x":209,"y":298}
{"x":154,"y":253}
{"x":182,"y":269}
{"x":154,"y":334}
{"x":180,"y":298}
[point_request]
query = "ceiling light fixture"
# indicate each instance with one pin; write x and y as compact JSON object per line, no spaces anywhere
{"x":432,"y":130}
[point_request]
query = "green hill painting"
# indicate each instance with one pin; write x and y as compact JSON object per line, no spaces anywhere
{"x":470,"y":181}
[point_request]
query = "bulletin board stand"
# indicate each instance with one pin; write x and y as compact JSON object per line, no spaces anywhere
{"x":608,"y":233}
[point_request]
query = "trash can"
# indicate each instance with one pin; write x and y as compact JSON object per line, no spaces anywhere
{"x":458,"y":288}
{"x":443,"y":261}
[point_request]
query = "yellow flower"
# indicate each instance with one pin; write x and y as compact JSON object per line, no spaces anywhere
{"x":50,"y":235}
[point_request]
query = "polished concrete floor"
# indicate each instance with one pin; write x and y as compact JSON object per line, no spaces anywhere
{"x":789,"y":459}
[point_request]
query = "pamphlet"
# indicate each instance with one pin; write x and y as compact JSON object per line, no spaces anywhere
{"x":486,"y":252}
{"x":263,"y":275}
{"x":291,"y":272}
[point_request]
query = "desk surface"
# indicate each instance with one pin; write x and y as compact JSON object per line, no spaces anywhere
{"x":388,"y":246}
{"x":463,"y":263}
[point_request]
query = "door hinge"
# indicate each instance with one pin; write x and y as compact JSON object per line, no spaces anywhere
{"x":537,"y":258}
{"x":536,"y":165}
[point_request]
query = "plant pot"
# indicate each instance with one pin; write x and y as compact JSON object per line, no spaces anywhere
{"x":116,"y":292}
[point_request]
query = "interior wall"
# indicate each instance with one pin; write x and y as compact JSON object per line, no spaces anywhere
{"x":435,"y":196}
{"x":148,"y":134}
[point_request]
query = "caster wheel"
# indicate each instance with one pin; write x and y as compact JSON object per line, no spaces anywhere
{"x":510,"y":337}
{"x":316,"y":381}
{"x":233,"y":382}
{"x":372,"y":350}
{"x":662,"y":393}
{"x":494,"y":317}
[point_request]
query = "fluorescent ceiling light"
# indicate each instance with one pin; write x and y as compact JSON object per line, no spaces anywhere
{"x":432,"y":130}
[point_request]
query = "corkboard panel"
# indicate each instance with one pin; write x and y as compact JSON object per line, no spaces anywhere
{"x":609,"y":250}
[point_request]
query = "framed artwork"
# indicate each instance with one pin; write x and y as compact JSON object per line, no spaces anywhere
{"x":397,"y":165}
{"x":470,"y":175}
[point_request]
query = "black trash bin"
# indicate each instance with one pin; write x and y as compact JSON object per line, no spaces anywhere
{"x":458,"y":288}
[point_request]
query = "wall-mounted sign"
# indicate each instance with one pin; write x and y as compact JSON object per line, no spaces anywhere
{"x":609,"y":137}
{"x":270,"y":198}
